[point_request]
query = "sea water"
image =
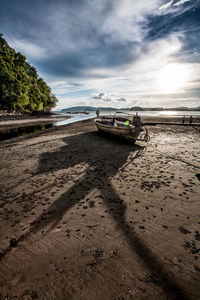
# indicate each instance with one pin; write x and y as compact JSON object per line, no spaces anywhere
{"x":80,"y":117}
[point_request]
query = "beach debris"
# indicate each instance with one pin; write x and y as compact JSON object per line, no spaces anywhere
{"x":196,"y":268}
{"x":68,"y":231}
{"x":154,"y":278}
{"x":183,"y":230}
{"x":142,"y":227}
{"x":113,"y":253}
{"x":34,"y":295}
{"x":198,"y":176}
{"x":98,"y":258}
{"x":2,"y":253}
{"x":13,"y":242}
{"x":91,"y":204}
{"x":191,"y":247}
{"x":92,"y":226}
{"x":197,"y":235}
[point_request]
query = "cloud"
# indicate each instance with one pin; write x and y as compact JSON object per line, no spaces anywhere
{"x":78,"y":36}
{"x":29,"y":49}
{"x":107,"y":98}
{"x":83,"y":47}
{"x":121,"y":100}
{"x":173,"y":3}
{"x":102,"y":97}
{"x":140,"y":80}
{"x":177,"y":3}
{"x":166,"y":5}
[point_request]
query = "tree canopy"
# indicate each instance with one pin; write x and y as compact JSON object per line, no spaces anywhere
{"x":21,"y":88}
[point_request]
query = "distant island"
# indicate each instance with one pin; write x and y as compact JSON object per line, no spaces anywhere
{"x":21,"y":89}
{"x":76,"y":109}
{"x":88,"y":109}
{"x":182,"y":108}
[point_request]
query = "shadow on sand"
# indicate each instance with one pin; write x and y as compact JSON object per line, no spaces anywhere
{"x":104,"y":157}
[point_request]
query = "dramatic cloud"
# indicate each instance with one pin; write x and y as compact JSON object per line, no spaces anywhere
{"x":128,"y":49}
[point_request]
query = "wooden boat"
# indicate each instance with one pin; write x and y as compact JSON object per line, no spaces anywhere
{"x":126,"y":126}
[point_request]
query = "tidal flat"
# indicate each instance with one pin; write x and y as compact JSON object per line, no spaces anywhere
{"x":85,"y":216}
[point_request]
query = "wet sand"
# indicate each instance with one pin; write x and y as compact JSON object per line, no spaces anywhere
{"x":14,"y":123}
{"x":84,"y":216}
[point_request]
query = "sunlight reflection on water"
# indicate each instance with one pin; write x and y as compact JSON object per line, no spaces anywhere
{"x":75,"y":118}
{"x":170,"y":113}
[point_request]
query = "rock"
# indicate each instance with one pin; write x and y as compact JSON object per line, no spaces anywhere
{"x":13,"y":242}
{"x":183,"y":230}
{"x":34,"y":295}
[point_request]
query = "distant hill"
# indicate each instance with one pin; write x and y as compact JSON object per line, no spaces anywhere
{"x":182,"y":108}
{"x":89,"y":108}
{"x":135,"y":108}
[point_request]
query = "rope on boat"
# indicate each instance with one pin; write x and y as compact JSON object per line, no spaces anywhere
{"x":144,"y":137}
{"x":195,"y":128}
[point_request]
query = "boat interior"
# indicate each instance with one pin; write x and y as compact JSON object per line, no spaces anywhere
{"x":117,"y":121}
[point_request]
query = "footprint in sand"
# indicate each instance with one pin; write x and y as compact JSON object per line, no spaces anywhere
{"x":165,"y":226}
{"x":183,"y":230}
{"x":141,"y":227}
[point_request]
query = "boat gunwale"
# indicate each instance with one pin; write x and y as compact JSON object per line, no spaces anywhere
{"x":114,"y":127}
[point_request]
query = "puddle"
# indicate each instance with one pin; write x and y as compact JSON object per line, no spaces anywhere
{"x":15,"y":132}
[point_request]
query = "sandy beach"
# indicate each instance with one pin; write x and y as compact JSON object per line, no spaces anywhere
{"x":84,"y":216}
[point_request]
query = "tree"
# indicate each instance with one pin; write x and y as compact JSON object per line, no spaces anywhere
{"x":20,"y":86}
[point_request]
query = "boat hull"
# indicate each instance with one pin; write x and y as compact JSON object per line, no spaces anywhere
{"x":122,"y":132}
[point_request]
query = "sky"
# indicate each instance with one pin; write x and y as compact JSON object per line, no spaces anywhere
{"x":110,"y":53}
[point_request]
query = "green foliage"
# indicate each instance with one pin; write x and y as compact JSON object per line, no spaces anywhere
{"x":20,"y":86}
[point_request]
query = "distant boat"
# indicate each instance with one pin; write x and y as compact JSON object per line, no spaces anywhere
{"x":128,"y":127}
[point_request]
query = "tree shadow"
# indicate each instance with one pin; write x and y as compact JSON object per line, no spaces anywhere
{"x":104,"y":157}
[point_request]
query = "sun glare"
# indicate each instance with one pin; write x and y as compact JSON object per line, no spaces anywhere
{"x":173,"y":78}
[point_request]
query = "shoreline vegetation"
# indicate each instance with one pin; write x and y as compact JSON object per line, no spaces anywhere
{"x":21,"y":88}
{"x":15,"y":120}
{"x":14,"y":114}
{"x":82,"y":208}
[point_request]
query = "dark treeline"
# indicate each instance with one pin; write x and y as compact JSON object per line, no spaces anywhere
{"x":21,"y":88}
